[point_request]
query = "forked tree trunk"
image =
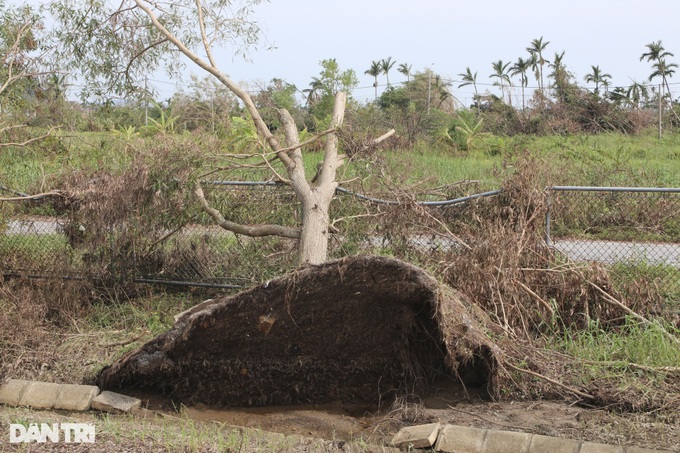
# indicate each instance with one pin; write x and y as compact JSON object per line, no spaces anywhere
{"x":316,"y":199}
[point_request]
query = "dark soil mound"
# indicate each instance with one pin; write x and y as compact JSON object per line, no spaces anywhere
{"x":358,"y":329}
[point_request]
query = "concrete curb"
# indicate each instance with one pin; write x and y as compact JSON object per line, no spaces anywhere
{"x":45,"y":395}
{"x":464,"y":439}
{"x":71,"y":397}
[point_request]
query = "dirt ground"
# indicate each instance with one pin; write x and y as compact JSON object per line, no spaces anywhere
{"x":338,"y":427}
{"x":452,"y":404}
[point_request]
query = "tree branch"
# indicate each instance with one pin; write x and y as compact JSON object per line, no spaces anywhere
{"x":611,"y":300}
{"x":330,"y":159}
{"x":552,"y":381}
{"x":204,"y":37}
{"x":26,"y":142}
{"x":246,"y":230}
{"x":32,"y":197}
{"x":141,"y":52}
{"x":233,"y":87}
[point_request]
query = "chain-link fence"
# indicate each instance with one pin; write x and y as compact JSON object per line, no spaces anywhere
{"x":634,"y":231}
{"x":196,"y":252}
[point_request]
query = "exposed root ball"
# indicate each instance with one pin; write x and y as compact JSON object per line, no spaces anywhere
{"x":358,"y":329}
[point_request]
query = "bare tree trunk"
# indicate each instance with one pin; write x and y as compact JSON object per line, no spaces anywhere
{"x":313,"y":248}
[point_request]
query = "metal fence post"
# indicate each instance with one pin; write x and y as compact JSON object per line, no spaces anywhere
{"x":547,"y":217}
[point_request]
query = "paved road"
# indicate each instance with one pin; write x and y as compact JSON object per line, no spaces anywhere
{"x":610,"y":252}
{"x":607,"y":252}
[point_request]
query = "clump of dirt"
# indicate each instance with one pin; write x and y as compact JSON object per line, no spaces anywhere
{"x":360,"y":329}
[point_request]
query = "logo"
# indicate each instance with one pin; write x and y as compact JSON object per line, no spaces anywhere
{"x":55,"y":432}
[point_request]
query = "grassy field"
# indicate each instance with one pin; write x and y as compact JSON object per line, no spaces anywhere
{"x":604,"y":160}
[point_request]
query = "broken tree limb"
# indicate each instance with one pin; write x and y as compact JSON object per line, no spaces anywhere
{"x":33,"y":197}
{"x":612,"y":301}
{"x":384,"y":137}
{"x":246,"y":230}
{"x":552,"y":381}
{"x":537,"y":297}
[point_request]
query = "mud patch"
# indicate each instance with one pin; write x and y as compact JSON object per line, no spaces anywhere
{"x":361,"y":329}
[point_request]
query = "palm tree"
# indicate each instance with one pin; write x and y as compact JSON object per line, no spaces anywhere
{"x":386,"y":64}
{"x":537,"y":61}
{"x":559,"y":70}
{"x":656,"y":53}
{"x":665,"y":71}
{"x":469,"y":78}
{"x":374,"y":71}
{"x":501,"y":73}
{"x":520,"y":69}
{"x":405,"y":69}
{"x":637,"y":93}
{"x":313,"y":95}
{"x":597,"y":77}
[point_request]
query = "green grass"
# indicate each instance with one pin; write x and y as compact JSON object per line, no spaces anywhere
{"x":613,"y":159}
{"x":607,"y":159}
{"x":633,"y":342}
{"x":40,"y":167}
{"x":621,"y":354}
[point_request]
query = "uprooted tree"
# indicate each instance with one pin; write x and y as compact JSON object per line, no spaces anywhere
{"x":113,"y":47}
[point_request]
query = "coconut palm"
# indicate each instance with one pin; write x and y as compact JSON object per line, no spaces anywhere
{"x":405,"y":69}
{"x":537,"y":61}
{"x":501,"y":73}
{"x":520,"y":69}
{"x":469,"y":78}
{"x":386,"y":65}
{"x":597,"y":77}
{"x":374,"y":71}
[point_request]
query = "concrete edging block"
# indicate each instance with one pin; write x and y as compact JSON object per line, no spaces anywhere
{"x":12,"y":391}
{"x":591,"y":447}
{"x":460,"y":439}
{"x":506,"y":441}
{"x":76,"y":397}
{"x":542,"y":444}
{"x":115,"y":402}
{"x":40,"y":395}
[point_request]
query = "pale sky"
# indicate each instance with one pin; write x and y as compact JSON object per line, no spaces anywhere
{"x":450,"y":35}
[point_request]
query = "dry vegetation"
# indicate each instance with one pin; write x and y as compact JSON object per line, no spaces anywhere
{"x":537,"y":303}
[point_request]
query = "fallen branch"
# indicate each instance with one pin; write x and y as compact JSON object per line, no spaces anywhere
{"x":537,"y":297}
{"x":125,"y":342}
{"x":246,"y":230}
{"x":612,"y":301}
{"x":552,"y":381}
{"x":33,"y":197}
